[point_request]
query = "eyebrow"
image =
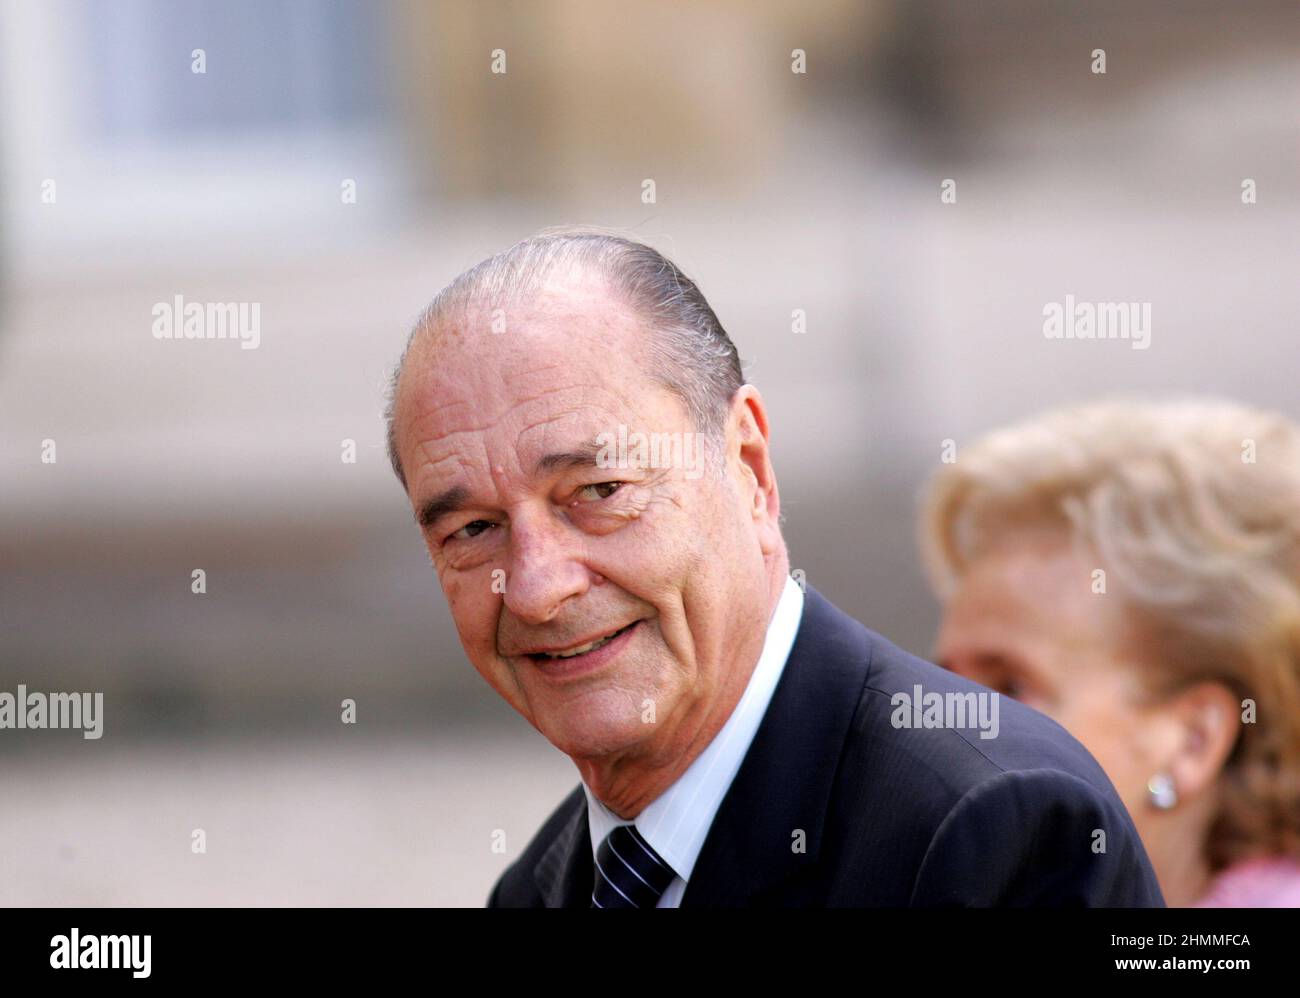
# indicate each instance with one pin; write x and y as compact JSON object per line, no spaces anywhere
{"x":585,"y":453}
{"x":432,"y":510}
{"x":457,"y":497}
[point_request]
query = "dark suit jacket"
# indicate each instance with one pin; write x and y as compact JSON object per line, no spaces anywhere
{"x":893,"y":816}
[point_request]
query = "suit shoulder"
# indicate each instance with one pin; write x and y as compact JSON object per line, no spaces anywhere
{"x":962,"y":728}
{"x":994,"y":798}
{"x":1035,"y":838}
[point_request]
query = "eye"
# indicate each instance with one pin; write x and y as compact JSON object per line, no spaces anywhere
{"x":470,"y":530}
{"x":602,"y":490}
{"x":1026,"y":688}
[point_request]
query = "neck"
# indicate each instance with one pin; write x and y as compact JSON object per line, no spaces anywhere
{"x":628,"y":784}
{"x":1177,"y":853}
{"x":1183,"y":880}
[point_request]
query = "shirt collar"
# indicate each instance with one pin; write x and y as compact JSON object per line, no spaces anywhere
{"x":677,"y":822}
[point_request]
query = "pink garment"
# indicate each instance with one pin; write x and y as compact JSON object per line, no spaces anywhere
{"x":1264,"y":882}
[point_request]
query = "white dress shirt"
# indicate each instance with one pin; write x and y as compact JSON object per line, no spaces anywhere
{"x":677,"y":821}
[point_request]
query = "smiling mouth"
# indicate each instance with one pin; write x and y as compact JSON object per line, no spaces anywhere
{"x":590,"y":646}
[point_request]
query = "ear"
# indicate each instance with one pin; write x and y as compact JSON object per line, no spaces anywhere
{"x":1208,"y":720}
{"x":749,"y":445}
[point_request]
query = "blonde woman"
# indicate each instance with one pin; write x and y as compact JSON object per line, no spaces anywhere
{"x":1133,"y":571}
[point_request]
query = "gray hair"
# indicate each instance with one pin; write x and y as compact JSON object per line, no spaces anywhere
{"x":691,"y":354}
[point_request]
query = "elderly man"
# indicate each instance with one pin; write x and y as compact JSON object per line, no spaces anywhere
{"x":740,"y":741}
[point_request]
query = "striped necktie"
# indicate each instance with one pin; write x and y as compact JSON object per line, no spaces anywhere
{"x":629,"y":874}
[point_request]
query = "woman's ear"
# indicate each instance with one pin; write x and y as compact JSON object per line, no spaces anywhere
{"x":1209,"y":721}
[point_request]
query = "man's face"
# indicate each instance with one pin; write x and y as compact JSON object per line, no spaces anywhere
{"x":541,"y":551}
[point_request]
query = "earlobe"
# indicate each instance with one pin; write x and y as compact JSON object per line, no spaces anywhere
{"x":1164,"y":795}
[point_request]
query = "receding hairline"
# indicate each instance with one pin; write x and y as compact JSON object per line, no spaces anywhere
{"x":472,"y":309}
{"x":460,"y":317}
{"x":690,"y":353}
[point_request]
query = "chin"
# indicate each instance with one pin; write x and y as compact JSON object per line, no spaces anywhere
{"x":591,"y":737}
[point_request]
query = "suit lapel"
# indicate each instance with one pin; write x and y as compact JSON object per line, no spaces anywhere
{"x":565,"y":873}
{"x":784,"y":783}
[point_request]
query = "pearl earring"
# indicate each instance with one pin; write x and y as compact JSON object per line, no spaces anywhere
{"x":1161,"y":788}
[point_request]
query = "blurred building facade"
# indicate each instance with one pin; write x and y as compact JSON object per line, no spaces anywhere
{"x":778,"y":191}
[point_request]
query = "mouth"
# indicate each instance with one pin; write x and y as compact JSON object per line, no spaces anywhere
{"x":577,"y":651}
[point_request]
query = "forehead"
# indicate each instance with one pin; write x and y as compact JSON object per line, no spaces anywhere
{"x":557,"y":367}
{"x":1031,"y":592}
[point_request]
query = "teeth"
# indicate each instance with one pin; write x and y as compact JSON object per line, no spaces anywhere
{"x":591,"y":646}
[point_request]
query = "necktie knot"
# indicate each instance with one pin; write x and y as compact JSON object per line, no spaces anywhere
{"x":629,"y":873}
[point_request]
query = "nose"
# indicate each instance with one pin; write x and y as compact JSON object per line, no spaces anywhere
{"x":545,"y":566}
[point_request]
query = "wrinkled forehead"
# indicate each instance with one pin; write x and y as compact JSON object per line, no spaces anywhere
{"x":555,"y":369}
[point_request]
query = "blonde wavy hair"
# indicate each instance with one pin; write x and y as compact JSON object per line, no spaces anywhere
{"x":1192,"y":508}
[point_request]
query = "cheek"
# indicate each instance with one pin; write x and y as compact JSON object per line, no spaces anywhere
{"x":473,"y":612}
{"x":1098,"y":715}
{"x":663,"y":548}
